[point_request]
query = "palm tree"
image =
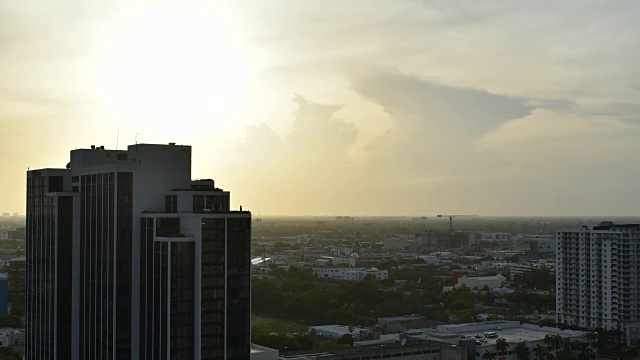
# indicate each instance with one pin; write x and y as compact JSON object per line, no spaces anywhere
{"x":523,"y":352}
{"x":565,"y":354}
{"x":547,"y":340}
{"x":541,"y":352}
{"x":557,"y":342}
{"x":592,"y":336}
{"x":502,"y":346}
{"x":630,"y":353}
{"x":553,"y":341}
{"x":586,"y":354}
{"x":578,"y":346}
{"x":489,"y":355}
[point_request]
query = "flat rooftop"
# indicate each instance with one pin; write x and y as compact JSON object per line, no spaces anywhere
{"x":255,"y":349}
{"x":512,"y":331}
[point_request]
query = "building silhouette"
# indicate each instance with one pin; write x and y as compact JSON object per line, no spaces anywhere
{"x":597,"y":278}
{"x":128,"y":258}
{"x":17,"y":273}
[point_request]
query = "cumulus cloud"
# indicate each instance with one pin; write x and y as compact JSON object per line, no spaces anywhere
{"x":427,"y":154}
{"x":309,"y":165}
{"x":434,"y":123}
{"x":454,"y":149}
{"x":318,"y":138}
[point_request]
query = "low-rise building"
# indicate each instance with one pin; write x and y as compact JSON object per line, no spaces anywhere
{"x":335,"y":332}
{"x":13,"y":338}
{"x":494,"y":236}
{"x":431,"y":239}
{"x":332,"y":260}
{"x":402,"y":323}
{"x":479,"y":282}
{"x":481,"y":338}
{"x":404,"y":349}
{"x":544,"y":246}
{"x":517,"y":269}
{"x":259,"y":352}
{"x":351,"y":274}
{"x":434,"y":260}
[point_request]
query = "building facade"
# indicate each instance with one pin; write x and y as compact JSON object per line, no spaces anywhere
{"x":597,"y":278}
{"x":4,"y":294}
{"x":17,"y":273}
{"x":351,"y":274}
{"x":479,"y":282}
{"x":431,"y":239}
{"x":49,"y":265}
{"x":159,"y":264}
{"x":517,"y":269}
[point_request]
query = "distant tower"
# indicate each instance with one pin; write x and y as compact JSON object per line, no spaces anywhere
{"x":352,"y":259}
{"x":357,"y":248}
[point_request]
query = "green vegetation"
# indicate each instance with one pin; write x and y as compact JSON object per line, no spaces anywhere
{"x":12,"y":321}
{"x":7,"y":353}
{"x":14,"y":247}
{"x":528,"y":302}
{"x":298,"y":295}
{"x":272,"y":324}
{"x":541,"y":279}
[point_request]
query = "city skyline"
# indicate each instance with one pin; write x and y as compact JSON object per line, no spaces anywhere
{"x":307,"y":109}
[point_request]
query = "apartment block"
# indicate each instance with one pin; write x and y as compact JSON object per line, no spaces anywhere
{"x":597,"y":278}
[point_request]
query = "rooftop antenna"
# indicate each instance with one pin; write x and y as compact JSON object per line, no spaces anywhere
{"x":137,"y":138}
{"x":117,"y":138}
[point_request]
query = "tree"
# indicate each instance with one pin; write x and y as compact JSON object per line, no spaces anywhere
{"x":487,"y":298}
{"x":553,"y":341}
{"x":369,"y":277}
{"x":565,"y":354}
{"x":537,"y":279}
{"x":12,"y":321}
{"x":629,"y":353}
{"x":345,"y":339}
{"x":325,"y":344}
{"x":489,"y":355}
{"x":522,"y":351}
{"x":460,"y":298}
{"x":592,"y":337}
{"x":541,"y":352}
{"x":586,"y":354}
{"x":558,"y":342}
{"x":7,"y":353}
{"x":502,"y":346}
{"x":17,"y":308}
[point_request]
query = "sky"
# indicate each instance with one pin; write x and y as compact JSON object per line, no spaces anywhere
{"x":334,"y":107}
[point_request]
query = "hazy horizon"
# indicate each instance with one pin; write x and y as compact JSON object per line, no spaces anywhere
{"x":359,"y":108}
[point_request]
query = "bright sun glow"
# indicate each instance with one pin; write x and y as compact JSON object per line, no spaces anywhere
{"x":174,"y":62}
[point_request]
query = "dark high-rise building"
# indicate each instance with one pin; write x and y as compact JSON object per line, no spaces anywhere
{"x":17,"y":278}
{"x":49,"y":265}
{"x":157,"y":266}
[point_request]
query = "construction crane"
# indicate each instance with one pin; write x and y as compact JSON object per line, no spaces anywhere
{"x":451,"y":219}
